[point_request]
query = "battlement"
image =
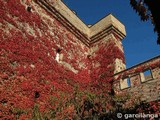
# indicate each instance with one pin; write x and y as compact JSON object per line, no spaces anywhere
{"x":87,"y":35}
{"x":142,"y":79}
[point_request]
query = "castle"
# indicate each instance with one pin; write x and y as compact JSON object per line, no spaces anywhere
{"x":39,"y":35}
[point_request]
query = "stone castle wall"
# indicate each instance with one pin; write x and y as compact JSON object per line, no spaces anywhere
{"x":142,"y":80}
{"x":44,"y":41}
{"x":32,"y":33}
{"x":38,"y":31}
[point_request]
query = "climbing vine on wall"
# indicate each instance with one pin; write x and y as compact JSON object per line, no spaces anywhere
{"x":33,"y":84}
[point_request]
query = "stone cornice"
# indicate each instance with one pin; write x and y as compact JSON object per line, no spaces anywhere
{"x":87,"y":35}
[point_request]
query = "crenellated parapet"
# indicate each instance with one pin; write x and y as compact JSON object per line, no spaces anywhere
{"x":142,"y":79}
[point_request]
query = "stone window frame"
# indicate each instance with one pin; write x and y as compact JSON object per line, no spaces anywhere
{"x":143,"y":76}
{"x":123,"y":79}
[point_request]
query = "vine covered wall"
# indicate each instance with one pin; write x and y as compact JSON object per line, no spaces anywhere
{"x":30,"y":75}
{"x":140,"y":80}
{"x":104,"y":54}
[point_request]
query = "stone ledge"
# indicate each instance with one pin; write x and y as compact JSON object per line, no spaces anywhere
{"x":106,"y":22}
{"x":70,"y":16}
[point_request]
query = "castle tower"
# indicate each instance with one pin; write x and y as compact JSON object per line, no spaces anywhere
{"x":101,"y":43}
{"x":57,"y":37}
{"x":106,"y":50}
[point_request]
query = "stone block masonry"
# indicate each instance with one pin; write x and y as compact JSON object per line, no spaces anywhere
{"x":142,"y":80}
{"x":50,"y":25}
{"x":45,"y":49}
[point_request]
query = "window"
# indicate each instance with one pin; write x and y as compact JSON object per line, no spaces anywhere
{"x":58,"y":55}
{"x":29,"y":8}
{"x":146,"y":75}
{"x":128,"y":82}
{"x":125,"y":83}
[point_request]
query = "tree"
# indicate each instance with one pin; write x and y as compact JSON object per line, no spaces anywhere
{"x":148,"y":9}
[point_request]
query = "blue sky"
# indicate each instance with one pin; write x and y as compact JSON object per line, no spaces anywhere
{"x":140,"y":42}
